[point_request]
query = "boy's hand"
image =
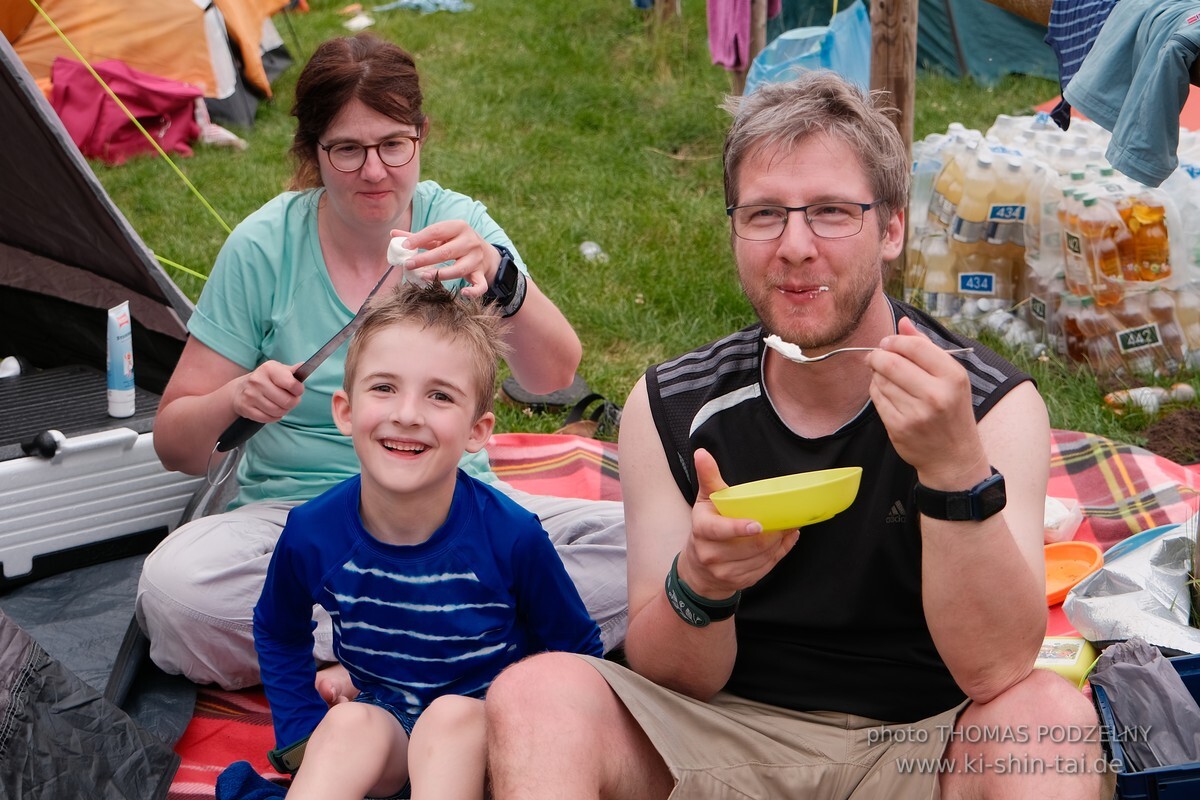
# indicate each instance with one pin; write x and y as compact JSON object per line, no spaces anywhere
{"x":334,"y":685}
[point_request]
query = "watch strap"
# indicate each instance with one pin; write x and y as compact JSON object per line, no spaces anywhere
{"x":975,"y":504}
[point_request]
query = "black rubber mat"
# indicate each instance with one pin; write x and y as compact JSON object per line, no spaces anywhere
{"x":72,"y":400}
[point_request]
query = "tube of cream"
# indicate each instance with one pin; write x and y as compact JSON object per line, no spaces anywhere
{"x":120,"y":362}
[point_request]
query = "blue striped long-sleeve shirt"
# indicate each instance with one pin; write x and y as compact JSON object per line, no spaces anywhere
{"x":412,"y":622}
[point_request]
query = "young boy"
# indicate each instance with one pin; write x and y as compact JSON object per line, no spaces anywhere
{"x":435,"y":582}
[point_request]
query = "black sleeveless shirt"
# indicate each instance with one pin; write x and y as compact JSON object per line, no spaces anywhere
{"x":838,"y":624}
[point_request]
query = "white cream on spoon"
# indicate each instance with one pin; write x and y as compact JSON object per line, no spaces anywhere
{"x":791,"y":352}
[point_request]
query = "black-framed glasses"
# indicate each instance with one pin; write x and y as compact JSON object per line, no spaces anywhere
{"x":394,"y":151}
{"x":761,"y":223}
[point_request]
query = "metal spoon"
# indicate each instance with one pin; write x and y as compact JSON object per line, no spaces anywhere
{"x":793,"y":353}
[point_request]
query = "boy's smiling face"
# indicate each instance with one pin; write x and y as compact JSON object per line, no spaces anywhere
{"x":412,"y":413}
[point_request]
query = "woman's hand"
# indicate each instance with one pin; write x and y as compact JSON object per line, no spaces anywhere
{"x":544,"y":348}
{"x":471,"y":257}
{"x":205,"y":394}
{"x":267,"y":393}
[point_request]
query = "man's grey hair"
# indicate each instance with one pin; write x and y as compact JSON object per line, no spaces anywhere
{"x":782,"y":115}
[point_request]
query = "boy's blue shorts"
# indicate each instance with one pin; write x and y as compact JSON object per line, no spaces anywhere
{"x":407,"y":722}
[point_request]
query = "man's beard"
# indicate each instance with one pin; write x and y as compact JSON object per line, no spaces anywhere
{"x":850,"y":302}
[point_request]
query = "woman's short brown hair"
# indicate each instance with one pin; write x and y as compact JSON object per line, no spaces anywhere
{"x":364,"y":67}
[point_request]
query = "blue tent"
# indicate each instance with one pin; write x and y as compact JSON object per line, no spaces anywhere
{"x":957,"y":37}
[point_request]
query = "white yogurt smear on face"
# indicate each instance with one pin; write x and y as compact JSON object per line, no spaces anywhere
{"x":397,"y":254}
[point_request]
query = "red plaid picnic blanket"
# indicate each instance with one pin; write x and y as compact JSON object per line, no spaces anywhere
{"x":1122,"y":489}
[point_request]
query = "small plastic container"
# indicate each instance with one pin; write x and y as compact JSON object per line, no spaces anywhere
{"x":1069,"y":656}
{"x":1062,"y":519}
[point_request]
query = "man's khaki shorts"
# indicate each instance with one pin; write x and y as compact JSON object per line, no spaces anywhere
{"x":736,"y":748}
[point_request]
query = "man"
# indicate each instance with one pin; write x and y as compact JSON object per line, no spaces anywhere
{"x":885,"y":653}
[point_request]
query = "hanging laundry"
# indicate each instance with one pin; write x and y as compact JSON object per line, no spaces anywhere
{"x":729,"y":31}
{"x":1135,"y":81}
{"x":1071,"y":32}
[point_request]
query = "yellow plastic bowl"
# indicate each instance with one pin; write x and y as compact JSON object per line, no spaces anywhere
{"x":791,"y":501}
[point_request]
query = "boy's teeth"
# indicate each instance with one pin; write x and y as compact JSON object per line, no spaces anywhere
{"x":413,"y":448}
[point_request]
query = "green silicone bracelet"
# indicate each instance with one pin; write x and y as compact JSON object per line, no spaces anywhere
{"x":693,"y":609}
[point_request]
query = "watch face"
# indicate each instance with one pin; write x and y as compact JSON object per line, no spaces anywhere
{"x":992,"y":497}
{"x":988,"y":497}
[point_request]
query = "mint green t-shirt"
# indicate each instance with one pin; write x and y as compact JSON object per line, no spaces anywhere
{"x":269,"y":298}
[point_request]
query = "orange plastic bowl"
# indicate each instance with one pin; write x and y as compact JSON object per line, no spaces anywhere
{"x":1067,"y":563}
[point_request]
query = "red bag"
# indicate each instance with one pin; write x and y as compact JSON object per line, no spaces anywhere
{"x":165,"y":108}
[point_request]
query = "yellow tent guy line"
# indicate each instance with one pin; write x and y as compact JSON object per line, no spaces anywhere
{"x":129,"y":114}
{"x":181,"y":267}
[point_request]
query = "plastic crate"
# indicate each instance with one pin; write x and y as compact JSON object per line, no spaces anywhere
{"x":1176,"y":782}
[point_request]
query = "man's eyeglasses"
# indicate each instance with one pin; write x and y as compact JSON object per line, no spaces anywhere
{"x":350,"y":156}
{"x":761,"y":223}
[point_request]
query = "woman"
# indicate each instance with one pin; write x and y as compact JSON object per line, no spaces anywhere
{"x":289,"y":277}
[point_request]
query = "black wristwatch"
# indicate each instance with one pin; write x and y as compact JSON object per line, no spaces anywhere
{"x":977,"y":503}
{"x":507,"y":291}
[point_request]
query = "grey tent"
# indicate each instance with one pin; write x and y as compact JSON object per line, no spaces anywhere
{"x":66,"y":253}
{"x":98,"y":494}
{"x":66,"y":256}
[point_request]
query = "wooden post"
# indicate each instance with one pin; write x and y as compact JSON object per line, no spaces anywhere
{"x":894,"y":70}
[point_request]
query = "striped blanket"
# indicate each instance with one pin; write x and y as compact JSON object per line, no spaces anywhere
{"x":1122,"y":490}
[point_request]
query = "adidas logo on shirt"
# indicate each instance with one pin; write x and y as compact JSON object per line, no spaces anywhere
{"x":896,"y":513}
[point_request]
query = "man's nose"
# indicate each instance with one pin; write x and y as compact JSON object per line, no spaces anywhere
{"x":797,"y":238}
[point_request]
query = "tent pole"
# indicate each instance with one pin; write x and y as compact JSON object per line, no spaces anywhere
{"x":894,"y":70}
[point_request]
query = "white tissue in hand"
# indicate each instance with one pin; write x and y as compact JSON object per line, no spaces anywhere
{"x":398,"y":255}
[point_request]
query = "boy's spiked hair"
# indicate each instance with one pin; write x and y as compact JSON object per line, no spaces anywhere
{"x":443,"y":312}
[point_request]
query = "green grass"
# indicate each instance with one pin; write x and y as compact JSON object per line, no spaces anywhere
{"x":578,"y":121}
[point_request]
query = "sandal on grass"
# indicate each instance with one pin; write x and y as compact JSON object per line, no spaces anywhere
{"x":593,"y":417}
{"x":515,"y":393}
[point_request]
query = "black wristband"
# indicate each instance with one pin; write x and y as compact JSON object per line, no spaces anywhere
{"x":693,"y":609}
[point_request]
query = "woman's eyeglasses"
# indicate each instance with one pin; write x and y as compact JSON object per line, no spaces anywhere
{"x":395,"y":151}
